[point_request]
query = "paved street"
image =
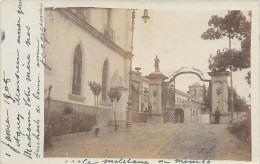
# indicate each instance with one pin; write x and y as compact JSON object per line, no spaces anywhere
{"x":154,"y":140}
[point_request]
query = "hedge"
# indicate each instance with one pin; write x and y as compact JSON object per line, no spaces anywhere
{"x":241,"y":127}
{"x":66,"y":122}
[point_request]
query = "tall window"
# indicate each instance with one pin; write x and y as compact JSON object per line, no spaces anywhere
{"x":77,"y":69}
{"x":195,"y":91}
{"x":108,"y":31}
{"x":104,"y":80}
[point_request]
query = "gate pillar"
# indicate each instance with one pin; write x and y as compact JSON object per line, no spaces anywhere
{"x":219,"y":96}
{"x":156,"y":80}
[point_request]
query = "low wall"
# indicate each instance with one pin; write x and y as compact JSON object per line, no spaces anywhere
{"x":104,"y":115}
{"x":139,"y":116}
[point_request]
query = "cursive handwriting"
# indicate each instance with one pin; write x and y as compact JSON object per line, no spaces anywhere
{"x":27,"y":100}
{"x":8,"y":135}
{"x":37,"y":137}
{"x":18,"y":132}
{"x":85,"y":161}
{"x":122,"y":160}
{"x":163,"y":161}
{"x":20,"y":11}
{"x":17,"y":98}
{"x":28,"y":73}
{"x":28,"y":151}
{"x":191,"y":161}
{"x":19,"y":30}
{"x":43,"y":39}
{"x":7,"y":130}
{"x":37,"y":95}
{"x":28,"y":43}
{"x":29,"y":130}
{"x":38,"y":53}
{"x":11,"y":147}
{"x":7,"y":94}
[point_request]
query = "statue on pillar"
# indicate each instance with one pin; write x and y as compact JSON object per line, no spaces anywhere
{"x":156,"y":64}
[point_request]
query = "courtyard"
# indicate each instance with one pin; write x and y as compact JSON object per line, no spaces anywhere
{"x":154,"y":140}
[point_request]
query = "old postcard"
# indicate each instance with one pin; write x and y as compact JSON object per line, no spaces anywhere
{"x":130,"y":82}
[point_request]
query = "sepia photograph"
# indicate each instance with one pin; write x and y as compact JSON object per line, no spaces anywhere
{"x":147,"y":83}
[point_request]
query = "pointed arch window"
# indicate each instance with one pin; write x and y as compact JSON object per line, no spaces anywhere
{"x":77,"y":69}
{"x":104,"y":80}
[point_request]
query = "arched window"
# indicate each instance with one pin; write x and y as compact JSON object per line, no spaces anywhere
{"x":77,"y":69}
{"x":104,"y":80}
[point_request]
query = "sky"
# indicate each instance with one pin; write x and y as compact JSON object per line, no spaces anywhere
{"x":175,"y":36}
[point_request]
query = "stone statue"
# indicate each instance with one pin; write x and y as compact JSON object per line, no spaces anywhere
{"x":156,"y":64}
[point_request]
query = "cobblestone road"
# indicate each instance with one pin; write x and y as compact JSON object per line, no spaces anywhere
{"x":154,"y":140}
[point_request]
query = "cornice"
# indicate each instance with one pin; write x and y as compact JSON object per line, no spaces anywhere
{"x":182,"y":93}
{"x":94,"y":32}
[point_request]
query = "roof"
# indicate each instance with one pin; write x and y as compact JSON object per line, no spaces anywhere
{"x":196,"y":84}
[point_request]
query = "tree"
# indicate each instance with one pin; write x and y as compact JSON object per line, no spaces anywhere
{"x":248,"y":77}
{"x":96,"y":90}
{"x":239,"y":101}
{"x":206,"y":99}
{"x":114,"y":95}
{"x":233,"y":25}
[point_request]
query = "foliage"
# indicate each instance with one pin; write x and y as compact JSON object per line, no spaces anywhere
{"x":233,"y":25}
{"x":248,"y":77}
{"x":206,"y":99}
{"x":95,"y":87}
{"x":70,"y":123}
{"x":114,"y":95}
{"x":238,"y":124}
{"x":242,"y":126}
{"x":239,"y":102}
{"x":228,"y":59}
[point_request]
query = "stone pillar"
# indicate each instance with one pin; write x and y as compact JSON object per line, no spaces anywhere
{"x":219,"y":96}
{"x":156,"y":80}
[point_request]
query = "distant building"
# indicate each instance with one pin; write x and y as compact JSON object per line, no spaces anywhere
{"x":196,"y":91}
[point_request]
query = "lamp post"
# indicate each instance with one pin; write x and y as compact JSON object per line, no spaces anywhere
{"x":129,"y":121}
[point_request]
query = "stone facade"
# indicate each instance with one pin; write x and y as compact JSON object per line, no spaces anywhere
{"x":186,"y":108}
{"x":219,"y":96}
{"x":140,"y":95}
{"x":101,"y":39}
{"x":156,"y":80}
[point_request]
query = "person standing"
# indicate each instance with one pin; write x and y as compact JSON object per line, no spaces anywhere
{"x":217,"y":115}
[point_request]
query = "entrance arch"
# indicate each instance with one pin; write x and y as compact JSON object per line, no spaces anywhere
{"x":187,"y":72}
{"x":179,"y":115}
{"x":183,"y":112}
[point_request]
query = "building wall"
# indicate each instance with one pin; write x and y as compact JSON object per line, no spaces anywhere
{"x":64,"y":36}
{"x":196,"y":92}
{"x":181,"y":97}
{"x":120,"y":23}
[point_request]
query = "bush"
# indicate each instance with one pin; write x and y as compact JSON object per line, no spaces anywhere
{"x":241,"y":127}
{"x":71,"y":122}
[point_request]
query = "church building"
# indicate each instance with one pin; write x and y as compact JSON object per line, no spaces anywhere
{"x":87,"y":44}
